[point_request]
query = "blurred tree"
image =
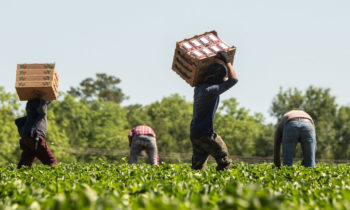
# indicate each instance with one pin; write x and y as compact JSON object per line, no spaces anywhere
{"x":243,"y":133}
{"x":98,"y":124}
{"x":57,"y":138}
{"x":317,"y":102}
{"x":170,"y":118}
{"x":104,"y":87}
{"x":342,"y":127}
{"x":9,"y":137}
{"x":137,"y":115}
{"x":285,"y":101}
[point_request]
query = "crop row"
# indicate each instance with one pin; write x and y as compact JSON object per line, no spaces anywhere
{"x":174,"y":186}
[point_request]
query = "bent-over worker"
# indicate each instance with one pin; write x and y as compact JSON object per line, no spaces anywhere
{"x":295,"y":126}
{"x":143,"y":137}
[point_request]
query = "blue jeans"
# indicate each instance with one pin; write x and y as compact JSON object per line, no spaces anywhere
{"x":303,"y":132}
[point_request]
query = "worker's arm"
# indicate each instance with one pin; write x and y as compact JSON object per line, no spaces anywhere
{"x":231,"y":73}
{"x":277,"y":145}
{"x":232,"y":76}
{"x":130,"y":136}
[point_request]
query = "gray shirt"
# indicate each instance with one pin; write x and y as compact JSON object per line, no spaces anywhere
{"x":36,"y":121}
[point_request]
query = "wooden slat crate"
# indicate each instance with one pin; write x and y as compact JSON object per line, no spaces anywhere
{"x":33,"y":80}
{"x":193,"y":55}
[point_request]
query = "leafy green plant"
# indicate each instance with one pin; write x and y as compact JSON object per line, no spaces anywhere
{"x":174,"y":186}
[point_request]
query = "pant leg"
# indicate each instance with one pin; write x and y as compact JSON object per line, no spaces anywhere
{"x":200,"y":156}
{"x":135,"y":150}
{"x":308,"y":144}
{"x":289,"y":141}
{"x":219,"y":151}
{"x":27,"y":156}
{"x":44,"y":154}
{"x":151,"y":148}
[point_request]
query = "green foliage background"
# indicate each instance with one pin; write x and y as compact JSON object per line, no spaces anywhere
{"x":87,"y":128}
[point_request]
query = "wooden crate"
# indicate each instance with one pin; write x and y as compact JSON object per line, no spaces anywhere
{"x":36,"y":80}
{"x":188,"y":63}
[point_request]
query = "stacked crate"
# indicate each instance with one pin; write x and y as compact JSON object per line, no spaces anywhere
{"x":37,"y":80}
{"x":192,"y":56}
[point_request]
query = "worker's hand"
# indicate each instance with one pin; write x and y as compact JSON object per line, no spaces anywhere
{"x":222,"y":55}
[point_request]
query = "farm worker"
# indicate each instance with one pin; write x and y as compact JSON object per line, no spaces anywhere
{"x":32,"y":130}
{"x":204,"y":140}
{"x":142,"y":137}
{"x":295,"y":126}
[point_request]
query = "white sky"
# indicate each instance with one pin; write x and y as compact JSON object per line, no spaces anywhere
{"x":288,"y":43}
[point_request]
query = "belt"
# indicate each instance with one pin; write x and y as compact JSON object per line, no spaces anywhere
{"x":301,"y":119}
{"x":145,"y":135}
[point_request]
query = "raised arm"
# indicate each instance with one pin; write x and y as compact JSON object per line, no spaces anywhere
{"x":231,"y":73}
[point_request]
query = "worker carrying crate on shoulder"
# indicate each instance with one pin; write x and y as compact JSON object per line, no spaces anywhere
{"x":32,"y":129}
{"x":217,"y":79}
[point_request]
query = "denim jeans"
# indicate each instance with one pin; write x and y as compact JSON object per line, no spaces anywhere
{"x":303,"y":132}
{"x":144,"y":142}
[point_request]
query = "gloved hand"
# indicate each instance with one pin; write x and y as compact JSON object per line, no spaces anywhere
{"x":222,"y":55}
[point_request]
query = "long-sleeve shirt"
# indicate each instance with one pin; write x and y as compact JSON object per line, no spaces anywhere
{"x":205,"y":104}
{"x":279,"y":132}
{"x":36,"y":121}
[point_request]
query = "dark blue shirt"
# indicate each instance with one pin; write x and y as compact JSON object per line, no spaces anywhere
{"x":205,"y":103}
{"x":36,"y":121}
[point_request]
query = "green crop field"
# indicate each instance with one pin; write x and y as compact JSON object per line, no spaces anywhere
{"x":174,"y":186}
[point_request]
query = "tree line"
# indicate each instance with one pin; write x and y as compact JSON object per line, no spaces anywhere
{"x":90,"y":118}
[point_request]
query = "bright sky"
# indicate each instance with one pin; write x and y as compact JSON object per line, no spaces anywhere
{"x":290,"y":43}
